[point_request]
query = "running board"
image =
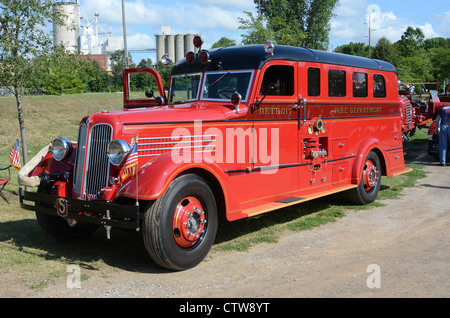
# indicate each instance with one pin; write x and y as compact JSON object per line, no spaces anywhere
{"x":406,"y":170}
{"x":283,"y":203}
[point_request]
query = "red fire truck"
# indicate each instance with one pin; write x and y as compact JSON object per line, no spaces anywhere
{"x":242,"y":131}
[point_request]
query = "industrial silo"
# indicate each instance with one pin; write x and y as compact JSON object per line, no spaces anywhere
{"x":160,"y":46}
{"x":188,"y":43}
{"x":68,"y":33}
{"x":179,"y":47}
{"x":170,"y":46}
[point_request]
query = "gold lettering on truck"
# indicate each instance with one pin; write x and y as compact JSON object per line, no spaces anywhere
{"x":279,"y":111}
{"x":357,"y":110}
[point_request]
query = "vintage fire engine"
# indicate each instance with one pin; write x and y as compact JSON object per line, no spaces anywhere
{"x":414,"y":113}
{"x":242,"y":131}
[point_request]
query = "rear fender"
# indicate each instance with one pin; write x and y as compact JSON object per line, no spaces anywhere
{"x":367,"y":146}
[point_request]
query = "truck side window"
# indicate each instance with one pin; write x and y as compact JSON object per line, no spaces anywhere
{"x":359,"y":84}
{"x":336,"y":83}
{"x":313,"y":81}
{"x":379,"y":86}
{"x":282,"y":76}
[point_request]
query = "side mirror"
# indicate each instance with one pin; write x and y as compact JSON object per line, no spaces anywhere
{"x":159,"y":100}
{"x":149,"y":93}
{"x":236,"y":99}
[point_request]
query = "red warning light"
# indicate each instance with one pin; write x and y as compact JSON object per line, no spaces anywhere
{"x":198,"y":42}
{"x":190,"y":57}
{"x":204,"y":57}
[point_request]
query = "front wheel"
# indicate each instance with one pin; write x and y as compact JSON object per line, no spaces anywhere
{"x":179,"y":228}
{"x":369,"y":186}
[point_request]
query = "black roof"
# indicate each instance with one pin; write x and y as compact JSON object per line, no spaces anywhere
{"x":254,"y":57}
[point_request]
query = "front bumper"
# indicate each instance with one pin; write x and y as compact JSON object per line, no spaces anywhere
{"x":123,"y":216}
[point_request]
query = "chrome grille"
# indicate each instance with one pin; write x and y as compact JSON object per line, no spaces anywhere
{"x":97,"y":163}
{"x":408,"y":113}
{"x":79,"y":161}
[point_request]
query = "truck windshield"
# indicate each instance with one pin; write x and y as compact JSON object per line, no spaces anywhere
{"x":184,"y":88}
{"x":222,"y":85}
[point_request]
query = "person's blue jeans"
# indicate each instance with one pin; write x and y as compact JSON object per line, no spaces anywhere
{"x":444,"y":137}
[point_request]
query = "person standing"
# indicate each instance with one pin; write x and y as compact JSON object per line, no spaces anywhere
{"x":443,"y":130}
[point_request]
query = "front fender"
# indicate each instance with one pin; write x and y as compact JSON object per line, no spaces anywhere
{"x":154,"y":177}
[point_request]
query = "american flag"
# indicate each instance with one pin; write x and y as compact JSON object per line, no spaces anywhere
{"x":14,"y":155}
{"x":129,"y":168}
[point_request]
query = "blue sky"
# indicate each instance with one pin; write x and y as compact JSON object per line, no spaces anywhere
{"x":216,"y":18}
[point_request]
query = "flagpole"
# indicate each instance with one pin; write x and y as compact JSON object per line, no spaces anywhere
{"x":137,"y":172}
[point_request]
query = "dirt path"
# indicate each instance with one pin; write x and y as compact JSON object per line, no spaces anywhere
{"x":408,"y":241}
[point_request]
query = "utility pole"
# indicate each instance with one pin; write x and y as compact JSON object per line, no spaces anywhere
{"x":370,"y":31}
{"x":369,"y":35}
{"x":125,"y":35}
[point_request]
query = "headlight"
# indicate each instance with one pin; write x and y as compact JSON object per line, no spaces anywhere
{"x":117,"y":150}
{"x":61,"y":148}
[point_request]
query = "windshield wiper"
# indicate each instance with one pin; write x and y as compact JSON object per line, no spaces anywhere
{"x":220,"y":78}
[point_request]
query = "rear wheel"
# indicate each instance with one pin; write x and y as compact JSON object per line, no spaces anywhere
{"x":180,"y":227}
{"x":369,"y":186}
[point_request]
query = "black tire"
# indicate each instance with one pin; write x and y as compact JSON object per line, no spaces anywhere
{"x":166,"y":239}
{"x":59,"y":229}
{"x":369,"y":186}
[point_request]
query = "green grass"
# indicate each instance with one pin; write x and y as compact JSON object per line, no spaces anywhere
{"x":32,"y":259}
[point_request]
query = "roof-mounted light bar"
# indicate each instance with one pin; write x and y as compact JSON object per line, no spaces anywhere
{"x":204,"y":55}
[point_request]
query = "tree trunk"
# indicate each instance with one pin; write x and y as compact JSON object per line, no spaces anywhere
{"x":22,"y":126}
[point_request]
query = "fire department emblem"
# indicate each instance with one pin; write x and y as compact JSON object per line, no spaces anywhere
{"x":62,"y":207}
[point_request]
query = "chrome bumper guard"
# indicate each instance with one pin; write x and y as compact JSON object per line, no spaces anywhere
{"x":111,"y":215}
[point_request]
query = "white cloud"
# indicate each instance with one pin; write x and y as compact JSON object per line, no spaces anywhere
{"x":210,"y":18}
{"x":351,"y":24}
{"x":141,"y":41}
{"x":443,"y":24}
{"x":233,"y":5}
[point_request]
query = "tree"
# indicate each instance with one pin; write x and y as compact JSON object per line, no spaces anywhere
{"x":22,"y":36}
{"x":410,"y":42}
{"x":358,"y":48}
{"x":257,"y":32}
{"x":440,"y":59}
{"x":223,"y":42}
{"x":299,"y":22}
{"x":415,"y":68}
{"x":433,"y":43}
{"x":117,"y":65}
{"x":63,"y":72}
{"x":384,"y":50}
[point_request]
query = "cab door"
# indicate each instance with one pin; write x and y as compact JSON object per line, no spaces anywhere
{"x":275,"y":123}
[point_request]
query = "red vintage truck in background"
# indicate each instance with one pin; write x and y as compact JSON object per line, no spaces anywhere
{"x":241,"y":131}
{"x":416,"y":114}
